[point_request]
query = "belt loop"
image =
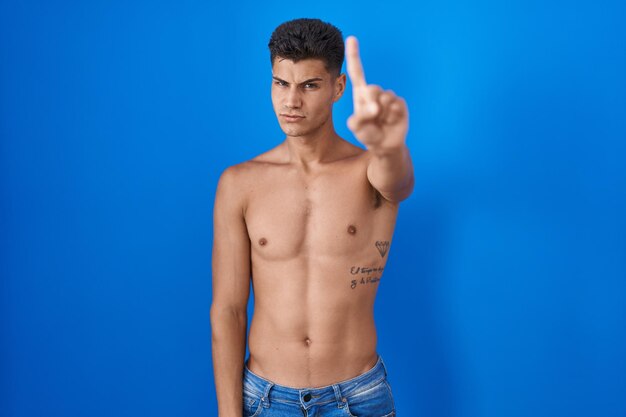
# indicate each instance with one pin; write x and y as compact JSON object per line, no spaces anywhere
{"x":341,"y":403}
{"x":265,"y":400}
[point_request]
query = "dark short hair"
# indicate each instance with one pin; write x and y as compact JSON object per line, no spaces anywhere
{"x":308,"y":38}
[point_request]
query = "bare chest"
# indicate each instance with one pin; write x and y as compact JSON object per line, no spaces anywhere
{"x":334,"y":214}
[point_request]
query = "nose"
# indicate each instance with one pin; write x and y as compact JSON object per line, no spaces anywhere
{"x":293,"y":99}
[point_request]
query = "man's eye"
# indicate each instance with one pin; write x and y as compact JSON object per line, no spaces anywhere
{"x":309,"y":85}
{"x":280,"y":82}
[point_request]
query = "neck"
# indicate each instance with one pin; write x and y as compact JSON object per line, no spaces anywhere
{"x":313,"y":148}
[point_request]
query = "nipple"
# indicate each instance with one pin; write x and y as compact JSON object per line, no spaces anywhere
{"x":262,"y":241}
{"x":352,"y":229}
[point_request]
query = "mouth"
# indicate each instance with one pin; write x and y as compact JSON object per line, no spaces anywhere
{"x":291,"y":117}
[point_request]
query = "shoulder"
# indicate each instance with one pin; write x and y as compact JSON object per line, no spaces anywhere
{"x":247,"y":171}
{"x":237,"y":182}
{"x":234,"y":178}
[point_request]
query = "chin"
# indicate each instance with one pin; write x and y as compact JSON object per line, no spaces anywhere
{"x":293,"y":133}
{"x":289,"y":130}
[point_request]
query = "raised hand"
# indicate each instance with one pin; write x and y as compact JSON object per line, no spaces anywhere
{"x":380,"y":119}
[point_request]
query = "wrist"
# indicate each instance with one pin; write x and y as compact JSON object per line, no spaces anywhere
{"x":381,"y":150}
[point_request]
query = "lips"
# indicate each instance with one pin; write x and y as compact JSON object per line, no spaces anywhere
{"x":292,"y":117}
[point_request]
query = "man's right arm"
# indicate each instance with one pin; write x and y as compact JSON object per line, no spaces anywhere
{"x":231,"y":289}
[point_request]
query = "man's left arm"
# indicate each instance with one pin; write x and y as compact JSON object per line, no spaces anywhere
{"x":380,"y":121}
{"x":390,"y":171}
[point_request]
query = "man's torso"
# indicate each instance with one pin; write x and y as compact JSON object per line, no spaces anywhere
{"x":319,"y":243}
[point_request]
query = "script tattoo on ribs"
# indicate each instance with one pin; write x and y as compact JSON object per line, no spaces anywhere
{"x":367,"y":274}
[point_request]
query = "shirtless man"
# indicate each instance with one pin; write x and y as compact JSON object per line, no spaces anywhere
{"x":309,"y":223}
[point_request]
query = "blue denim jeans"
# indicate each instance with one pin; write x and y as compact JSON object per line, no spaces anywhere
{"x":365,"y":395}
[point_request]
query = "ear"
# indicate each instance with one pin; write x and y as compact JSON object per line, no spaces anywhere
{"x":340,"y":86}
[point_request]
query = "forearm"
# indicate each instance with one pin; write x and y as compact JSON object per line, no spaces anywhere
{"x":228,"y":335}
{"x":391,"y":171}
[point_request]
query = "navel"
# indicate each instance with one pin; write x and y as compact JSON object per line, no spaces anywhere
{"x":307,"y":341}
{"x":352,"y":229}
{"x":262,"y":241}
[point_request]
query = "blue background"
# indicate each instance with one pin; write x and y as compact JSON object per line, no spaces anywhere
{"x":505,"y":292}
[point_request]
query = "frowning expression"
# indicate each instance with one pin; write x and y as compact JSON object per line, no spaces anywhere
{"x":303,"y":94}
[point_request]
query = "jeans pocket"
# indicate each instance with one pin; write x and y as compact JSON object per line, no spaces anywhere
{"x":252,"y":403}
{"x":373,"y":401}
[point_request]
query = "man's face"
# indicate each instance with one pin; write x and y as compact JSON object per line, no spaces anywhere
{"x":306,"y":90}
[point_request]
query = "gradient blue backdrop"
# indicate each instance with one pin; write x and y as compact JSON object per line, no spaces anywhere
{"x":505,"y":292}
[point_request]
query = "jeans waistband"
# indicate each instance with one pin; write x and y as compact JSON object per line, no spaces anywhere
{"x":306,"y":396}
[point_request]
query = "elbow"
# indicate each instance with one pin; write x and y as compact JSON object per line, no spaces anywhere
{"x":226,"y":323}
{"x":405,"y":192}
{"x":399,"y":194}
{"x":219,"y":312}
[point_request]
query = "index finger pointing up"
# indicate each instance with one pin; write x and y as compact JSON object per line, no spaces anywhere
{"x":354,"y":66}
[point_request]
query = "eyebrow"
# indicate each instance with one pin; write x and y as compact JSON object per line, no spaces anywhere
{"x":303,"y":82}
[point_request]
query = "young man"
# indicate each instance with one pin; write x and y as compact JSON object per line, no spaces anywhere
{"x":310,"y":223}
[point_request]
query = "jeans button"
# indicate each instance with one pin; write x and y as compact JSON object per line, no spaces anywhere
{"x":307,"y":397}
